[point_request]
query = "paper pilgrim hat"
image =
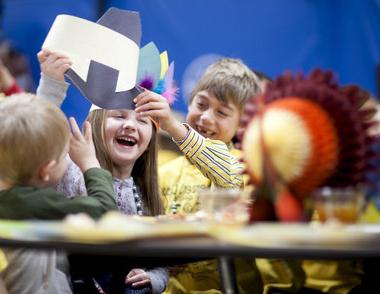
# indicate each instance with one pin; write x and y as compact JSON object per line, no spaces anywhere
{"x":107,"y":63}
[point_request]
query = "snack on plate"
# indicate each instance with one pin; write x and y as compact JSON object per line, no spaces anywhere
{"x":80,"y":220}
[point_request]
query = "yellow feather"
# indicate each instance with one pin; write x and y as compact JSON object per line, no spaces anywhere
{"x":164,"y":63}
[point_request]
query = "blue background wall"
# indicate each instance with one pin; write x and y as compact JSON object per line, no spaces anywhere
{"x":269,"y":35}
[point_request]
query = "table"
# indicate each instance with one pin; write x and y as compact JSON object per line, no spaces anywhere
{"x":196,"y":247}
{"x":170,"y":250}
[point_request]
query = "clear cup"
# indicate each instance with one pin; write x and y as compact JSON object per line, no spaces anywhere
{"x":225,"y":206}
{"x":344,"y":205}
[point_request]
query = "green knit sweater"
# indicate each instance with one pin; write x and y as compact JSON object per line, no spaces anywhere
{"x":25,"y":202}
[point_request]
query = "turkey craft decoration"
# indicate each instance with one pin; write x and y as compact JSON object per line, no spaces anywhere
{"x":302,"y":133}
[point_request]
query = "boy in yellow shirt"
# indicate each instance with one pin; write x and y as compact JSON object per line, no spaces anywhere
{"x":206,"y":139}
{"x":210,"y":160}
{"x":216,"y":104}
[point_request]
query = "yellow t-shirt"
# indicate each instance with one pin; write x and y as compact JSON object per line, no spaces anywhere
{"x":209,"y":163}
{"x":206,"y":164}
{"x":332,"y":276}
{"x":3,"y":261}
{"x":180,"y":180}
{"x":338,"y":276}
{"x":164,"y":156}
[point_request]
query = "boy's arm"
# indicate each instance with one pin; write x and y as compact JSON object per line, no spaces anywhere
{"x":100,"y":191}
{"x":213,"y":159}
{"x":48,"y":204}
{"x":155,"y":106}
{"x":53,"y":86}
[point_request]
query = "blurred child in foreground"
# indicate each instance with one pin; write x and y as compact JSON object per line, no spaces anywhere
{"x":34,"y":143}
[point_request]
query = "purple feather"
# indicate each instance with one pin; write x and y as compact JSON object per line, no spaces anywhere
{"x":170,"y":90}
{"x":166,"y":87}
{"x":147,"y":82}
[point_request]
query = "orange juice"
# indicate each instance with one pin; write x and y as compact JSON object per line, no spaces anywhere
{"x":337,"y":204}
{"x":345,"y":213}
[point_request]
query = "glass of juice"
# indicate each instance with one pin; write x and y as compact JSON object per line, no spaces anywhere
{"x":225,"y":206}
{"x":344,"y":205}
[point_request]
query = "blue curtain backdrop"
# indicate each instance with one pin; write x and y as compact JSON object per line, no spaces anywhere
{"x":268,"y":35}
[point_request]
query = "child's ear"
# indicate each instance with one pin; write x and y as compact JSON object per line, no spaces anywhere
{"x":45,"y":170}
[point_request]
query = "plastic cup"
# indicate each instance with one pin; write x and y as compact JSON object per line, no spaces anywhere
{"x":225,"y":206}
{"x":344,"y":205}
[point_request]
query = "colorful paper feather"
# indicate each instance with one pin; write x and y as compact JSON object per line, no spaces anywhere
{"x":148,"y":77}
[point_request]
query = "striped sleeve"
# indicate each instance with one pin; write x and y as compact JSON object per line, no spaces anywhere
{"x":213,"y":159}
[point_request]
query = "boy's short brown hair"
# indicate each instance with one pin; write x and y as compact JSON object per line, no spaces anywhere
{"x":229,"y":80}
{"x":33,"y":132}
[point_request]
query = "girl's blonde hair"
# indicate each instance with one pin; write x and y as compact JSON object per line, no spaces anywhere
{"x":144,"y":171}
{"x":33,"y":132}
{"x":229,"y":80}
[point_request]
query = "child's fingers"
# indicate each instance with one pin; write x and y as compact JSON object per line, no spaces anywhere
{"x":46,"y":51}
{"x":42,"y":56}
{"x":61,"y":55}
{"x":138,"y":278}
{"x":141,"y":283}
{"x":154,"y":114}
{"x":62,"y":65}
{"x":75,"y":129}
{"x":63,"y":69}
{"x":150,"y":106}
{"x":87,"y":131}
{"x":130,"y":274}
{"x":141,"y":95}
{"x":150,"y":97}
{"x":139,"y":100}
{"x":56,"y":58}
{"x":147,"y":96}
{"x":57,"y":55}
{"x":61,"y":61}
{"x":134,"y":272}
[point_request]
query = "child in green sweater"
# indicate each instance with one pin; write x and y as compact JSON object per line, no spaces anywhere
{"x":34,"y":142}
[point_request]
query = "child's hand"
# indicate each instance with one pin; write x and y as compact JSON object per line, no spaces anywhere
{"x":137,"y":278}
{"x":82,"y":150}
{"x":154,"y":105}
{"x":6,"y":78}
{"x":53,"y":64}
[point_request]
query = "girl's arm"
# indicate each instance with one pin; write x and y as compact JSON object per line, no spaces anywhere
{"x":156,"y":279}
{"x":159,"y":278}
{"x":53,"y":86}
